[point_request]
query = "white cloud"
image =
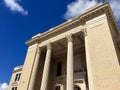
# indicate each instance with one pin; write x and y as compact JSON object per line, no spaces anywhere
{"x":13,"y":5}
{"x":3,"y":86}
{"x":79,"y":6}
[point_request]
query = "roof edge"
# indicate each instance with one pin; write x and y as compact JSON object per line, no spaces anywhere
{"x":71,"y":21}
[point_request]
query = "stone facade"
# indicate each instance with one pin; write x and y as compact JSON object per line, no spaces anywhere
{"x":80,"y":54}
{"x":15,"y":78}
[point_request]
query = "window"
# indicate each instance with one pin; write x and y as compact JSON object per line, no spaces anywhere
{"x":57,"y":88}
{"x":77,"y":88}
{"x":17,"y":78}
{"x":59,"y":69}
{"x":14,"y":88}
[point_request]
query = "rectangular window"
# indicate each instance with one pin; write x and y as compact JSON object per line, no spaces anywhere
{"x":59,"y":69}
{"x":57,"y":88}
{"x":14,"y":88}
{"x":17,"y":77}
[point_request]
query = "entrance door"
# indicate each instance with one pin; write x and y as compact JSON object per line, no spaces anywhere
{"x":76,"y":87}
{"x":57,"y":88}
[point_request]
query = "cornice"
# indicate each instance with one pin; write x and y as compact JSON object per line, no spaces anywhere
{"x":110,"y":15}
{"x":18,"y":70}
{"x":75,"y":21}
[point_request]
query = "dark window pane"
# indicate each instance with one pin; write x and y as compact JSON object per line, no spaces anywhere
{"x":59,"y":68}
{"x":16,"y":77}
{"x":76,"y":88}
{"x":57,"y":88}
{"x":19,"y":77}
{"x":15,"y":88}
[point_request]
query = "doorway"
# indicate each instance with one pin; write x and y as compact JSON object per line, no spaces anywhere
{"x":77,"y":87}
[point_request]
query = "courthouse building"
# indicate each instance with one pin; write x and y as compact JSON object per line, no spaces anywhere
{"x":81,"y":54}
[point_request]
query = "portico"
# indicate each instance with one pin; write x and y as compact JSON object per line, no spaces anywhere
{"x":65,"y":50}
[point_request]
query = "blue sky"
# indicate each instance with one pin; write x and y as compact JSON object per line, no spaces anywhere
{"x":21,"y":19}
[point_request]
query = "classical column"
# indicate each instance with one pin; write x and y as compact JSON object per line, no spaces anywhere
{"x":70,"y":63}
{"x":46,"y":69}
{"x":88,"y":60}
{"x":34,"y":71}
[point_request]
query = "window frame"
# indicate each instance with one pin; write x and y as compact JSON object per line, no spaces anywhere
{"x":59,"y":69}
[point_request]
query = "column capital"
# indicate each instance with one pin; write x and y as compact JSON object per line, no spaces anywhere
{"x":38,"y":49}
{"x":49,"y":46}
{"x":69,"y":38}
{"x":84,"y":30}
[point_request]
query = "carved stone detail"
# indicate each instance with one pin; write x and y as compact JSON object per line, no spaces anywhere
{"x":84,"y":30}
{"x":69,"y":38}
{"x":49,"y":46}
{"x":15,"y":84}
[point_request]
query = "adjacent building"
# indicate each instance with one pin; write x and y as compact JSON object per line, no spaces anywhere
{"x":81,"y":54}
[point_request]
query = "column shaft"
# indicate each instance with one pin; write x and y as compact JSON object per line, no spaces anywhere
{"x":34,"y":71}
{"x":45,"y":76}
{"x":70,"y":64}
